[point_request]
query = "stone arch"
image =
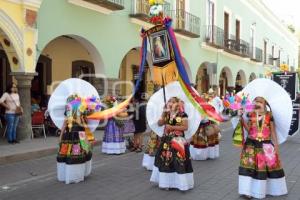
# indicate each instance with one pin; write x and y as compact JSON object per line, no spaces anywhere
{"x":225,"y":80}
{"x":11,"y":40}
{"x":203,"y":78}
{"x":243,"y":77}
{"x":129,"y":67}
{"x":240,"y":80}
{"x":91,"y":49}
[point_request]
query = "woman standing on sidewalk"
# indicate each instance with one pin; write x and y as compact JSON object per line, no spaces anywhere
{"x":11,"y":101}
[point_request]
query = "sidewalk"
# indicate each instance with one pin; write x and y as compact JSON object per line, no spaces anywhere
{"x":32,"y":148}
{"x":39,"y":147}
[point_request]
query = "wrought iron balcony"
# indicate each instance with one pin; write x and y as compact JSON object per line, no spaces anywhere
{"x":141,"y":8}
{"x":108,"y":4}
{"x":214,"y":36}
{"x":185,"y":23}
{"x":256,"y":54}
{"x":238,"y":47}
{"x":270,"y":60}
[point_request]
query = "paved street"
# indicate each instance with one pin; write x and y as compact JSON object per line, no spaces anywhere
{"x":122,"y":177}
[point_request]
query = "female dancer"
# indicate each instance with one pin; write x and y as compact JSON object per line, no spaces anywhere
{"x":260,"y":171}
{"x":172,"y":165}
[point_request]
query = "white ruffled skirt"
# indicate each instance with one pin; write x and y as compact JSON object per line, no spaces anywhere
{"x":113,"y":147}
{"x":205,"y":153}
{"x":181,"y":182}
{"x":260,"y":188}
{"x":148,"y":161}
{"x":73,"y":173}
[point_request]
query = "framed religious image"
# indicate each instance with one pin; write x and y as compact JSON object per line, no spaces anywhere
{"x":159,"y":46}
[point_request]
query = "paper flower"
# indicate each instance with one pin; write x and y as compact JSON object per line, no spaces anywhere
{"x":239,"y":101}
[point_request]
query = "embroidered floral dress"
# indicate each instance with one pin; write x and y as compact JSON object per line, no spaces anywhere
{"x":74,"y":156}
{"x":204,"y":146}
{"x":172,"y":165}
{"x":260,"y":171}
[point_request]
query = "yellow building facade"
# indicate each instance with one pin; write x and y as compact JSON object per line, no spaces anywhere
{"x":18,"y":39}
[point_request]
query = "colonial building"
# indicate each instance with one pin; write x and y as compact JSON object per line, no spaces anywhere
{"x":225,"y":44}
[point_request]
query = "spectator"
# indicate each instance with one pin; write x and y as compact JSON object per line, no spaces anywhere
{"x":11,"y":101}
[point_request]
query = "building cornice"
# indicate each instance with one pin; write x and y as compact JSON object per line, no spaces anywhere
{"x":270,"y":18}
{"x":31,"y":3}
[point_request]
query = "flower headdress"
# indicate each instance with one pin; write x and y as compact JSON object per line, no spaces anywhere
{"x":81,"y":107}
{"x":237,"y":102}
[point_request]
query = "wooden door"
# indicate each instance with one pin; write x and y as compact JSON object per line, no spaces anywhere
{"x":83,"y":69}
{"x":180,"y":14}
{"x":265,"y":52}
{"x":237,"y":30}
{"x":226,"y":26}
{"x":5,"y":77}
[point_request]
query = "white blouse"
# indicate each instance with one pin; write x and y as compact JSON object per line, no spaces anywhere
{"x":12,"y":100}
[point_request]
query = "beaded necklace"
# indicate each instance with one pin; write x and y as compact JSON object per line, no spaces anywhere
{"x":260,"y":128}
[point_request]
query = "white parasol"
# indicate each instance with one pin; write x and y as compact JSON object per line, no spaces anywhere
{"x":156,"y":104}
{"x":279,"y":101}
{"x":57,"y":102}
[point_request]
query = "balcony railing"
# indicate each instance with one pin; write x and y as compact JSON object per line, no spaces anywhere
{"x":256,"y":54}
{"x":259,"y":54}
{"x":141,"y":8}
{"x":215,"y":36}
{"x":185,"y":23}
{"x":270,"y":60}
{"x":108,"y":4}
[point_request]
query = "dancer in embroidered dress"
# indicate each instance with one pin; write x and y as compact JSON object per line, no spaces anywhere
{"x":260,"y":171}
{"x":172,"y":165}
{"x":74,"y":159}
{"x":113,"y":140}
{"x":205,"y":142}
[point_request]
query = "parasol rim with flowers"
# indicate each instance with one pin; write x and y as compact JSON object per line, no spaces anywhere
{"x":58,"y":100}
{"x":279,"y":101}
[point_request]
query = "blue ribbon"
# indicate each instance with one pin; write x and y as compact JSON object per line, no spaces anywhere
{"x":142,"y":64}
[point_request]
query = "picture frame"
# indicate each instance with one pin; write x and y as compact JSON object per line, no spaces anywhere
{"x":159,"y":44}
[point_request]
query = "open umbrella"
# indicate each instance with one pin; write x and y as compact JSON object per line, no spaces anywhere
{"x":279,"y":101}
{"x":156,"y":105}
{"x":57,"y":102}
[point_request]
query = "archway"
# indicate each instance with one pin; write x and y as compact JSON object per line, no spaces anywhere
{"x":11,"y":39}
{"x":252,"y":77}
{"x":202,"y":78}
{"x":5,"y":77}
{"x":240,"y":81}
{"x":65,"y":57}
{"x":225,"y":81}
{"x":129,"y":72}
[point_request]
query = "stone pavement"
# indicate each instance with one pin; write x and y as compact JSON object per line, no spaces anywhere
{"x":32,"y":148}
{"x":122,"y":177}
